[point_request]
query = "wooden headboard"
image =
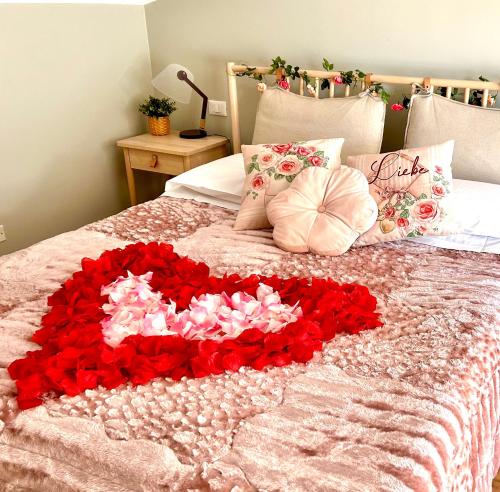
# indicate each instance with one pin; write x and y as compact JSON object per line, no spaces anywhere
{"x":371,"y":78}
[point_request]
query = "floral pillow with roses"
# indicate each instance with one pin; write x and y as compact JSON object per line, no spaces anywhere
{"x":270,"y":168}
{"x":413,"y":191}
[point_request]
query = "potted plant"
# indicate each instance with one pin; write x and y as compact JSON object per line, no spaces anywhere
{"x":158,"y":112}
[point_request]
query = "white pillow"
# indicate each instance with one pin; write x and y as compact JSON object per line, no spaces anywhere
{"x":222,"y":179}
{"x":479,"y":205}
{"x":462,"y":242}
{"x":176,"y":190}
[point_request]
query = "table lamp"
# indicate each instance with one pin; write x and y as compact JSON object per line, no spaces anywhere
{"x":177,"y":82}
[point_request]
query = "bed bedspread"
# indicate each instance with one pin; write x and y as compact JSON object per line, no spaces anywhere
{"x":413,"y":405}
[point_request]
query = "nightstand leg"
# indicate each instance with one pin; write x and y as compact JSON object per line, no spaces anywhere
{"x":130,"y":178}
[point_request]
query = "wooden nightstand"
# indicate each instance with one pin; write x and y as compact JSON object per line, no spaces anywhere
{"x":169,"y":154}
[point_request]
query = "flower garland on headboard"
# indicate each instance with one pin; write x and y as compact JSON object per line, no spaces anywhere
{"x":284,"y":71}
{"x":475,"y":97}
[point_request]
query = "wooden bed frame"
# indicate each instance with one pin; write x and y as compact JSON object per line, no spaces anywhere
{"x":318,"y":75}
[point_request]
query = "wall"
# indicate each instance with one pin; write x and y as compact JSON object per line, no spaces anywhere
{"x":70,"y":80}
{"x":426,"y":38}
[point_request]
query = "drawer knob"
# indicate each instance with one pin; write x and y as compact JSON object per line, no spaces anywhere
{"x":154,"y":160}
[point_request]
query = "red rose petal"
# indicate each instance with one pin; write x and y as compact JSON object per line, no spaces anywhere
{"x":74,"y":357}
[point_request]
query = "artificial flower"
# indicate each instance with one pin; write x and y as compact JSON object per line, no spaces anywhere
{"x":284,"y":84}
{"x":261,"y":86}
{"x":311,"y":90}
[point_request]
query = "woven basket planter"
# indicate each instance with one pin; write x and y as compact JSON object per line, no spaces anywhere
{"x":159,"y":126}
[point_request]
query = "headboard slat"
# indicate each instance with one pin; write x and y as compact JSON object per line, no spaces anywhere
{"x":466,"y":95}
{"x":301,"y":86}
{"x":331,"y":89}
{"x":484,"y":100}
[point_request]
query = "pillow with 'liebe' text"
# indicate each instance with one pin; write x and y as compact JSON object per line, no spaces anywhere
{"x":412,"y":188}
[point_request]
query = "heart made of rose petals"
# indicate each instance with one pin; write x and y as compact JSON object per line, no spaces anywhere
{"x":74,"y":355}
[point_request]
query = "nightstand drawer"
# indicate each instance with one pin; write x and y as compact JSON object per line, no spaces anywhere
{"x":156,"y":162}
{"x":169,"y":155}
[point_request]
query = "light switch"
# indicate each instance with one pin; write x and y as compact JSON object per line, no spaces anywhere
{"x":3,"y":237}
{"x":217,"y":108}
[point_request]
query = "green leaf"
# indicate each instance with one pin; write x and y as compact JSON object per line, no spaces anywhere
{"x":404,"y":214}
{"x":422,"y":196}
{"x":290,"y":178}
{"x":327,"y":65}
{"x":157,"y":108}
{"x":279,"y":176}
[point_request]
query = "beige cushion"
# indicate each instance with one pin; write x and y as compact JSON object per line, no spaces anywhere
{"x":270,"y":168}
{"x":476,"y":132}
{"x":412,"y":188}
{"x":322,"y":212}
{"x":286,"y":117}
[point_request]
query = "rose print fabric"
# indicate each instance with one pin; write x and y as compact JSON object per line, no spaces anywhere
{"x":412,"y":188}
{"x":270,"y":169}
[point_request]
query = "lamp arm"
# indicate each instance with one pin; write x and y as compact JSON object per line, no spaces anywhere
{"x":205,"y":101}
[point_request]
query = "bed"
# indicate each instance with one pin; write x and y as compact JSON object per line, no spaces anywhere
{"x":412,"y":405}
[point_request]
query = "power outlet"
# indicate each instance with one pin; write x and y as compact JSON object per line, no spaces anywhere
{"x":217,"y":108}
{"x":3,"y":237}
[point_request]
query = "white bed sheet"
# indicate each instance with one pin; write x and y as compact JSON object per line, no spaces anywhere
{"x":177,"y":190}
{"x":463,"y":242}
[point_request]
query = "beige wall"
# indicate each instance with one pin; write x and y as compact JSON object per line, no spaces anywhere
{"x":70,"y":79}
{"x":435,"y":38}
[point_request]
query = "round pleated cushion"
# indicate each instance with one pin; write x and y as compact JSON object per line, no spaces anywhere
{"x":322,"y":211}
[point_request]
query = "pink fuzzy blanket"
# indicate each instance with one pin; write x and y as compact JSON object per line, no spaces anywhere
{"x":414,"y":405}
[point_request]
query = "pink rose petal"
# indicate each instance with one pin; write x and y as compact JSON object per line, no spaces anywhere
{"x":134,"y":309}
